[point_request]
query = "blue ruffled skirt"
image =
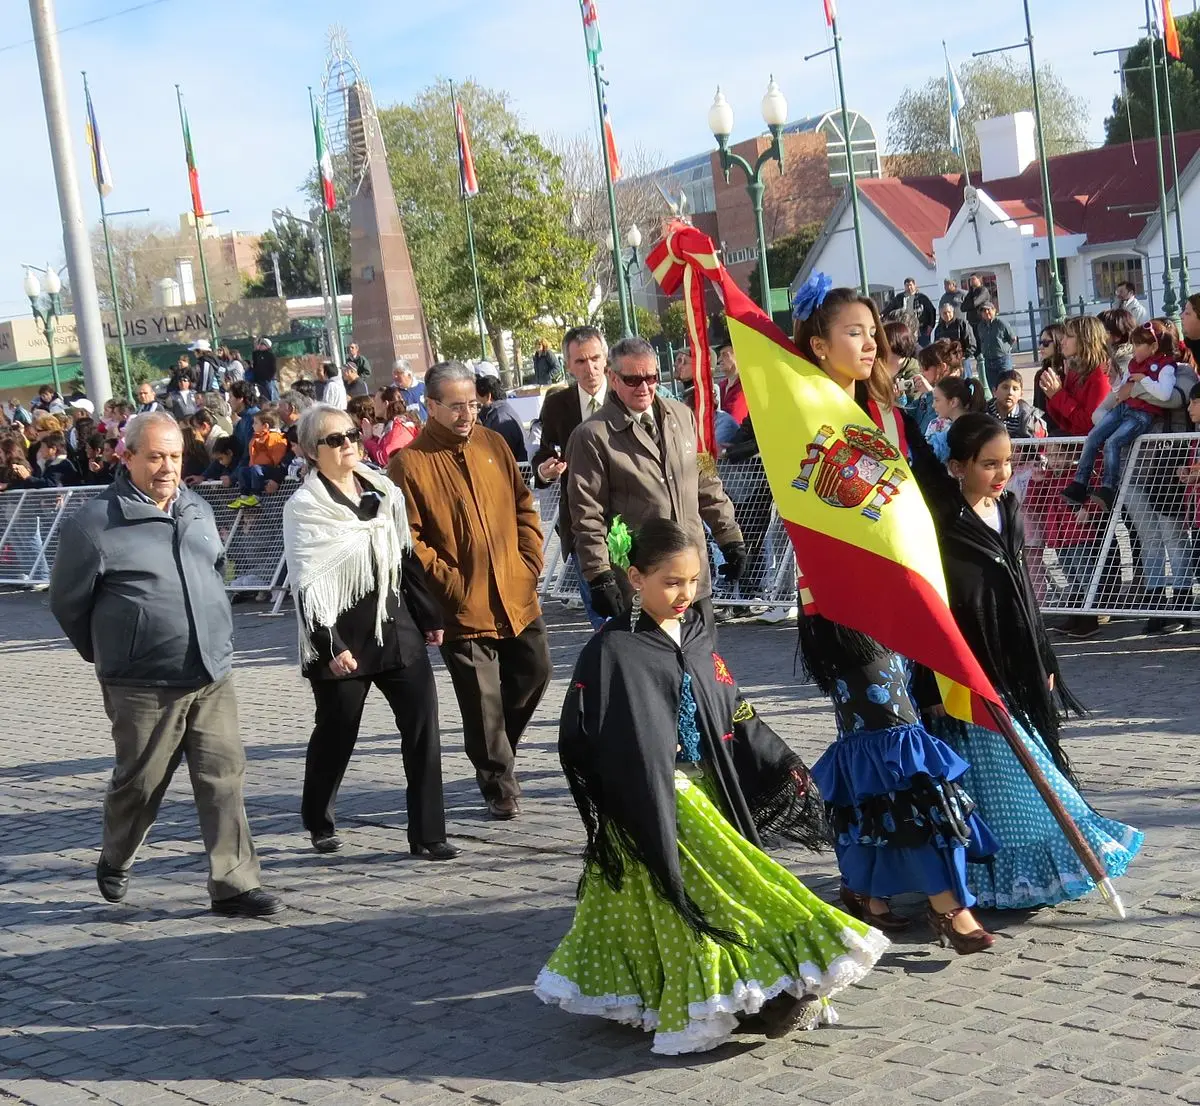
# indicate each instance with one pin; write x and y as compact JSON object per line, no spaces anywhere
{"x":1035,"y":866}
{"x":902,"y":820}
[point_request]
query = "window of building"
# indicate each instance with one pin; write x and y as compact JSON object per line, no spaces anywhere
{"x":1111,"y":271}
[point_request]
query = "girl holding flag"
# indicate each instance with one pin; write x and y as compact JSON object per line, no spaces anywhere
{"x":902,"y":820}
{"x":982,"y":540}
{"x":683,"y":922}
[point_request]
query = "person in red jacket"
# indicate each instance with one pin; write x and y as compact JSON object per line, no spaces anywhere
{"x":733,"y":398}
{"x":1073,"y":398}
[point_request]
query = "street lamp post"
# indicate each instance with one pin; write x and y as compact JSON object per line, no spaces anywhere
{"x":633,"y":239}
{"x":48,"y":315}
{"x":1184,"y":280}
{"x":1058,"y":306}
{"x":720,"y":122}
{"x":1170,"y":304}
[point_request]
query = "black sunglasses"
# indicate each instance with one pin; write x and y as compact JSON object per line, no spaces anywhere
{"x":638,"y":381}
{"x":339,"y":439}
{"x":1045,"y":341}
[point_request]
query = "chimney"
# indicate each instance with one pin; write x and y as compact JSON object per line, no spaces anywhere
{"x":1007,"y":145}
{"x":187,"y":282}
{"x":167,"y":292}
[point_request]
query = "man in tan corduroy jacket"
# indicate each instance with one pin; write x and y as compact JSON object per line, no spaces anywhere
{"x":477,"y":532}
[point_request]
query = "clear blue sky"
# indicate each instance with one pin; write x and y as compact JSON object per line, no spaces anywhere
{"x":244,"y":66}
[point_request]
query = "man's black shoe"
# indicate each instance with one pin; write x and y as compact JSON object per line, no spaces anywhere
{"x":113,"y":882}
{"x":330,"y":843}
{"x":256,"y":903}
{"x":436,"y":850}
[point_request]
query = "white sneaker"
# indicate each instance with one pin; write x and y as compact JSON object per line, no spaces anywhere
{"x":779,"y":614}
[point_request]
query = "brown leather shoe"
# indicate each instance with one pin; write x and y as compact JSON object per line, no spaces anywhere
{"x":503,"y":809}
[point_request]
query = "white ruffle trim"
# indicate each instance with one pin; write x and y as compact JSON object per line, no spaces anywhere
{"x":711,"y":1022}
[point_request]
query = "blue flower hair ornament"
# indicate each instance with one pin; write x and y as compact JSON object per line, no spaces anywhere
{"x":810,"y":295}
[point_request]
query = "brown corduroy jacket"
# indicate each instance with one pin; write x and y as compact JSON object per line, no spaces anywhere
{"x":475,"y":527}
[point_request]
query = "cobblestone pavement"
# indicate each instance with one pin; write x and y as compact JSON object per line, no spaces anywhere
{"x":392,"y":980}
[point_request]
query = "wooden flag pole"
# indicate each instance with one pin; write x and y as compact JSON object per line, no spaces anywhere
{"x":1065,"y":822}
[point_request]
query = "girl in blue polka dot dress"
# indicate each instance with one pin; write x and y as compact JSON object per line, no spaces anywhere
{"x":983,"y":550}
{"x":684,"y":926}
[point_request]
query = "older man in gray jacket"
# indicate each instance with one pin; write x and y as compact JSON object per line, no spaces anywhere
{"x":137,"y":588}
{"x":636,"y":457}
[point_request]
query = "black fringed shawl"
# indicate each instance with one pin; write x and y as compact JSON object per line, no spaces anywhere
{"x":617,"y":739}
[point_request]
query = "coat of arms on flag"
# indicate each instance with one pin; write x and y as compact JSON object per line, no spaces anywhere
{"x":851,"y":469}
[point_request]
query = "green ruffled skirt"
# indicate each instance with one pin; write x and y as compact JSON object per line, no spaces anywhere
{"x":630,"y":957}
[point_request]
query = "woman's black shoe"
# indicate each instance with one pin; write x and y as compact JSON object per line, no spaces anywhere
{"x":330,"y":843}
{"x":438,"y":850}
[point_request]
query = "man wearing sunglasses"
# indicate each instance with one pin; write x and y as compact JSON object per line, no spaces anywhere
{"x":476,"y":530}
{"x":637,"y":458}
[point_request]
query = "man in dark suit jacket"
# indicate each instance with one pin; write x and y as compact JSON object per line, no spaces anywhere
{"x":585,"y":354}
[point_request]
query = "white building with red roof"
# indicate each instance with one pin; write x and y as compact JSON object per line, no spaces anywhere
{"x":937,"y":228}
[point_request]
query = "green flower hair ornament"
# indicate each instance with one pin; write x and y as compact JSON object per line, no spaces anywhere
{"x":620,"y":543}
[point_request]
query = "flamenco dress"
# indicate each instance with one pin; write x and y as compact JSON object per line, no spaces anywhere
{"x":895,"y":795}
{"x":1035,"y":866}
{"x":630,"y":957}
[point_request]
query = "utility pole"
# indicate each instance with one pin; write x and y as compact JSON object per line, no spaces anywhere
{"x":88,"y":327}
{"x":1170,"y":304}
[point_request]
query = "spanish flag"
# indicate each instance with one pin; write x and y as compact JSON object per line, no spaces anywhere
{"x":863,"y":537}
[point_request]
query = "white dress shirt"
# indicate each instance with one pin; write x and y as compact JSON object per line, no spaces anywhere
{"x":585,"y":401}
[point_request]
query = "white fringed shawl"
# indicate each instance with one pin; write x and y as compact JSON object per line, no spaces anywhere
{"x":334,"y":558}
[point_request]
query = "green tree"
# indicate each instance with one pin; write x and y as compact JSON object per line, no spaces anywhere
{"x":1133,"y":110}
{"x":299,"y":262}
{"x":919,"y":125}
{"x":648,"y":324}
{"x":531,"y":267}
{"x":674,"y":324}
{"x":139,"y":369}
{"x":785,"y":256}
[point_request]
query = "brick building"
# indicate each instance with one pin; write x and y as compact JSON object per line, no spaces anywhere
{"x":813,"y":181}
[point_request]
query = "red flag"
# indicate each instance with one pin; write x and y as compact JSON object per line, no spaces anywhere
{"x":467,"y":180}
{"x":830,"y":11}
{"x":610,"y":143}
{"x":1171,"y":32}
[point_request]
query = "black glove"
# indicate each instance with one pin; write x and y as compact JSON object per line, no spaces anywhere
{"x":735,"y":561}
{"x":607,"y":599}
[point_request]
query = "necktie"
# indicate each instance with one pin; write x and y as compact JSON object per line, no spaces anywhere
{"x":647,"y":420}
{"x":593,"y":405}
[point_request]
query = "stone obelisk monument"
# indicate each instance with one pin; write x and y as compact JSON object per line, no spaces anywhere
{"x":388,"y":320}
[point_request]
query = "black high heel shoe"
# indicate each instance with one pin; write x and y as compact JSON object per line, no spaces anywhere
{"x":437,"y":850}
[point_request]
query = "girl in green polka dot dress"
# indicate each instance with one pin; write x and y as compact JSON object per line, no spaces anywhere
{"x":684,"y":925}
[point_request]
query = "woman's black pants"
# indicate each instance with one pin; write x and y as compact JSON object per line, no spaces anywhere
{"x":412,"y":695}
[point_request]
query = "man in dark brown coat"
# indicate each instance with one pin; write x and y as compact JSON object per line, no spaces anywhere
{"x":476,"y":530}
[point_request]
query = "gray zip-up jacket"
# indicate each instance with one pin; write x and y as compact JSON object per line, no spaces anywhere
{"x":140,"y":593}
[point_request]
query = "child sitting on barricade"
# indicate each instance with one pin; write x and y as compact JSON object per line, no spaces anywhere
{"x":1126,"y":414}
{"x":266,"y":470}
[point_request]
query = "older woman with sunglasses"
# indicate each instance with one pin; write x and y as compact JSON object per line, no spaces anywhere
{"x":365,"y":616}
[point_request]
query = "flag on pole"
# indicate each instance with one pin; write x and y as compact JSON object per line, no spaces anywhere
{"x":324,"y":161}
{"x":845,"y":493}
{"x":591,"y":30}
{"x":954,"y":94}
{"x":830,"y":11}
{"x":610,"y":143}
{"x":101,"y":173}
{"x":1171,"y":32}
{"x":193,"y":173}
{"x":467,"y":180}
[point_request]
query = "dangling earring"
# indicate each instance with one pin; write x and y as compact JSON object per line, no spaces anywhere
{"x":635,"y":610}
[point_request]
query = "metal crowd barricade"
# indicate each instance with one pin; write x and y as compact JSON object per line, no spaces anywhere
{"x":1139,"y":560}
